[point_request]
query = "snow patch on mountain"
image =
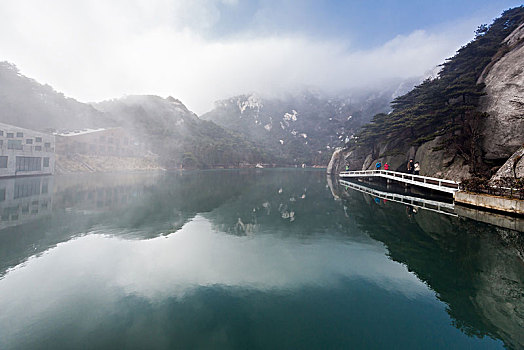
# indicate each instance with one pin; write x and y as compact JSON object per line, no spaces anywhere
{"x":252,"y":102}
{"x":291,"y":116}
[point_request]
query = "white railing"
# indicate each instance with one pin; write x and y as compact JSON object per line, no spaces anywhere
{"x":427,"y":204}
{"x":444,"y":185}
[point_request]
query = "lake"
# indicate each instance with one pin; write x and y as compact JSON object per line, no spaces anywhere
{"x":247,"y":259}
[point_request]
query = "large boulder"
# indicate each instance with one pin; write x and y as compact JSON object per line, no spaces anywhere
{"x":437,"y":163}
{"x":504,"y":100}
{"x":335,"y":164}
{"x":514,"y":166}
{"x":354,"y":159}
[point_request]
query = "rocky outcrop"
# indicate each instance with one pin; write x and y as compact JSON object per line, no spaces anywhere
{"x":504,"y":99}
{"x":439,"y":163}
{"x":514,"y":166}
{"x":354,"y":160}
{"x":435,"y":163}
{"x":334,"y":165}
{"x":501,"y":131}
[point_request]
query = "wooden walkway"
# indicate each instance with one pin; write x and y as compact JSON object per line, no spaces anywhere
{"x":433,"y":183}
{"x":426,"y":204}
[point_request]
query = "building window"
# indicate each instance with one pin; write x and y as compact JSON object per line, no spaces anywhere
{"x":38,"y":148}
{"x":1,"y":143}
{"x":38,"y":139}
{"x":1,"y":133}
{"x":10,"y":135}
{"x":29,"y":141}
{"x":19,"y":134}
{"x":47,"y":144}
{"x":46,"y":162}
{"x":27,"y":188}
{"x":28,"y":163}
{"x":3,"y":161}
{"x":14,"y":144}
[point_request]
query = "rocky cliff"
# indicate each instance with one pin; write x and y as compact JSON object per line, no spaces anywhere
{"x":468,"y":121}
{"x":504,"y":99}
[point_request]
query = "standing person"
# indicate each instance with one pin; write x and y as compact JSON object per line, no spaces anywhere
{"x":411,"y":166}
{"x":379,"y":165}
{"x":386,"y":166}
{"x":417,"y":168}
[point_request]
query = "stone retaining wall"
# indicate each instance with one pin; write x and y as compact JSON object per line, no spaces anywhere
{"x":515,"y":206}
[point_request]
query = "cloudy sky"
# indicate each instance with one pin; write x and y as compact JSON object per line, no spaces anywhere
{"x":203,"y":50}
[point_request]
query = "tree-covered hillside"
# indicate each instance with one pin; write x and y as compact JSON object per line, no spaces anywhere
{"x":169,"y":129}
{"x":25,"y":102}
{"x":447,"y":106}
{"x":178,"y":136}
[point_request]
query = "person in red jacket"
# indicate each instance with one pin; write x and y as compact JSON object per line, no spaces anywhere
{"x":386,"y":166}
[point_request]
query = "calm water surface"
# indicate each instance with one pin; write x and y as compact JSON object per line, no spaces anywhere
{"x":245,"y":260}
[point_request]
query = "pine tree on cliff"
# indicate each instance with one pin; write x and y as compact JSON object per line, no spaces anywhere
{"x":446,"y":106}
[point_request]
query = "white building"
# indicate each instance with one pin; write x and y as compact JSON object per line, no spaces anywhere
{"x":25,"y":199}
{"x":25,"y":152}
{"x":98,"y":142}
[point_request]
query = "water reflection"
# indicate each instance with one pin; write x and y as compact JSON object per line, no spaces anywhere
{"x":477,"y":269}
{"x":23,"y":200}
{"x":244,"y":259}
{"x":412,"y":202}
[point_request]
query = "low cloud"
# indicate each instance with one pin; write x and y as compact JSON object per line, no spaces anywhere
{"x":102,"y":50}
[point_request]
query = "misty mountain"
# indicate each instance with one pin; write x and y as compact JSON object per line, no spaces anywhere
{"x":165,"y":126}
{"x":304,"y":127}
{"x":177,"y":135}
{"x":298,"y":128}
{"x":26,"y":103}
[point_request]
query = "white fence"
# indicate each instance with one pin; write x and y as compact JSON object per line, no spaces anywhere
{"x":433,"y":183}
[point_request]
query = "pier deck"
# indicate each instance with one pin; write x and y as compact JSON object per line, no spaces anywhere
{"x":433,"y":183}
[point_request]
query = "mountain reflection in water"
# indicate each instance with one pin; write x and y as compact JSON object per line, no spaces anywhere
{"x":227,"y":258}
{"x":475,"y":268}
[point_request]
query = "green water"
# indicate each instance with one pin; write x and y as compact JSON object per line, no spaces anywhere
{"x":263,"y":259}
